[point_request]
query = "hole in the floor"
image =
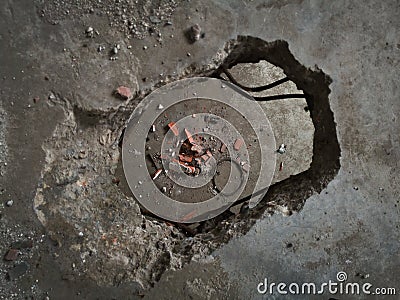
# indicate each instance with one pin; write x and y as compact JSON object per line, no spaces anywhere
{"x":84,"y":188}
{"x":295,"y":99}
{"x":303,"y":122}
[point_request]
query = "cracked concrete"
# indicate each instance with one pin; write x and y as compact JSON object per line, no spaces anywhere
{"x":351,"y":225}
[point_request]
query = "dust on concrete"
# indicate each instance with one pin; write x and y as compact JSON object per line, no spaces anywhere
{"x":84,"y":211}
{"x":135,"y":19}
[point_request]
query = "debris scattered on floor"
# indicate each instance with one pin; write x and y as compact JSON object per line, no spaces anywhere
{"x":195,"y":32}
{"x":11,"y":255}
{"x":52,"y":97}
{"x":90,"y":32}
{"x":282,"y":149}
{"x":154,"y":19}
{"x":101,"y":48}
{"x":246,"y":167}
{"x":124,"y":92}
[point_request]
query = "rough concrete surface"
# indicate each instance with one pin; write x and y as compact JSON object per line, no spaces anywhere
{"x":71,"y":229}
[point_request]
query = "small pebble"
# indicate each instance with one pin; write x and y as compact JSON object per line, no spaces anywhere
{"x":10,"y":203}
{"x":11,"y":255}
{"x":282,"y":149}
{"x":195,"y":32}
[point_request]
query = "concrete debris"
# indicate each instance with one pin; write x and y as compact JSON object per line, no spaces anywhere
{"x":52,"y":97}
{"x":195,"y":32}
{"x":82,"y":154}
{"x":89,"y":32}
{"x":282,"y":149}
{"x":154,"y":19}
{"x":106,"y":139}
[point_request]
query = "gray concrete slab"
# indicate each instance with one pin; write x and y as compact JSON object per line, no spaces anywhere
{"x":352,"y":225}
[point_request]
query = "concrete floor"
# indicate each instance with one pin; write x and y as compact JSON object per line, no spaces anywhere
{"x":351,"y":226}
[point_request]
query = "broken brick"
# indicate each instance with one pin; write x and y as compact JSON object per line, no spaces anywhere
{"x":174,"y":128}
{"x":197,"y":148}
{"x":124,"y":92}
{"x":185,"y":158}
{"x":238,"y":144}
{"x":189,"y":136}
{"x":223,"y":148}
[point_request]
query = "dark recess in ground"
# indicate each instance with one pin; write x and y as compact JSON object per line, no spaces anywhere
{"x":290,"y":193}
{"x":293,"y":191}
